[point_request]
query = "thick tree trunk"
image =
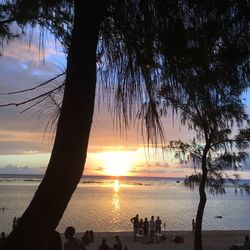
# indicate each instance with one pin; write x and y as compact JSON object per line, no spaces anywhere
{"x":202,"y":203}
{"x":70,"y":147}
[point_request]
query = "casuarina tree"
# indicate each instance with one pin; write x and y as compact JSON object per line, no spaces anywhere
{"x":210,"y":71}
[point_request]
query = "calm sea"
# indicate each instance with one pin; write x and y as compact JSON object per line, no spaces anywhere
{"x":108,"y":204}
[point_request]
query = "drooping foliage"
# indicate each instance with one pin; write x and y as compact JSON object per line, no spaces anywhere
{"x":185,"y":45}
{"x":143,"y":44}
{"x":204,"y":81}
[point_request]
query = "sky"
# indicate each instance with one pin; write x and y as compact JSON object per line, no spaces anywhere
{"x":25,"y":146}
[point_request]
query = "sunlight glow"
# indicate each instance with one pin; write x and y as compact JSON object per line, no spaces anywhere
{"x":117,"y":163}
{"x":116,"y":185}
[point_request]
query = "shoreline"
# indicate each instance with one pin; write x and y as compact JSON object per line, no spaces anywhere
{"x":212,"y":240}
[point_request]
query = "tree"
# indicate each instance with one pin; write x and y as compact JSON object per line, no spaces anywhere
{"x":220,"y":156}
{"x":99,"y":24}
{"x":133,"y":41}
{"x":210,"y":72}
{"x":70,"y":147}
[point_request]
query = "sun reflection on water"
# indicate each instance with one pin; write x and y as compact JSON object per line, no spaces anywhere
{"x":116,"y":186}
{"x":116,"y":203}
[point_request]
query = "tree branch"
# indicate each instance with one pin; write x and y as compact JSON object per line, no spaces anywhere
{"x":32,"y":99}
{"x":30,"y":89}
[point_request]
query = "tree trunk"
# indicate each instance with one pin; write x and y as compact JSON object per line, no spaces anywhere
{"x":202,"y":203}
{"x":70,"y":147}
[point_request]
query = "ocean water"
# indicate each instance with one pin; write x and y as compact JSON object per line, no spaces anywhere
{"x":108,"y":204}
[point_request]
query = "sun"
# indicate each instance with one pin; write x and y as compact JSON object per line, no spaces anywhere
{"x":117,"y":163}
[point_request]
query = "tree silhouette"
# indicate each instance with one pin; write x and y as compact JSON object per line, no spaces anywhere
{"x":70,"y":146}
{"x":204,"y":82}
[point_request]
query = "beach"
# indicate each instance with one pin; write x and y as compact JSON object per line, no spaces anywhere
{"x":212,"y":240}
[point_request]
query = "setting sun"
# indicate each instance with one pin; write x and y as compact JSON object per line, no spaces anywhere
{"x":117,"y":163}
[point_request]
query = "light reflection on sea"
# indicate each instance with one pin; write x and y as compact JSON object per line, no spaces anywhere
{"x":107,"y":204}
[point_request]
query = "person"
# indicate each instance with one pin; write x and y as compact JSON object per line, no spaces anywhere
{"x":91,"y":236}
{"x":86,"y":238}
{"x":140,"y":226}
{"x":14,"y":223}
{"x":146,"y":226}
{"x":193,"y":224}
{"x":152,"y":229}
{"x":158,"y":225}
{"x":104,"y":245}
{"x":135,"y":221}
{"x":55,"y":242}
{"x":118,"y":244}
{"x":2,"y":238}
{"x":17,"y":220}
{"x":246,"y":244}
{"x":72,"y":243}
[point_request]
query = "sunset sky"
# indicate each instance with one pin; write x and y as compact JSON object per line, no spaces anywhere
{"x":24,"y":148}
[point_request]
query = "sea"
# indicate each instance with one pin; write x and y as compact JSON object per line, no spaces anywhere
{"x":106,"y":204}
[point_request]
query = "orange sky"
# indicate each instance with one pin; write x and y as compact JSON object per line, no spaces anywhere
{"x":24,"y":149}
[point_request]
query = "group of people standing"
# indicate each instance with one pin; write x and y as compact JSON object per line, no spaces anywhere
{"x":146,"y":227}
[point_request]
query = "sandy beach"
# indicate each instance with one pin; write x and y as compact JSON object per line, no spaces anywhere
{"x":212,"y":240}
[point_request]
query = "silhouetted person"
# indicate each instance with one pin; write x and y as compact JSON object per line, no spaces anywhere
{"x":14,"y":223}
{"x":91,"y":236}
{"x":104,"y":245}
{"x":118,"y":244}
{"x":158,"y":225}
{"x":135,"y":221}
{"x":193,"y":224}
{"x":152,"y":226}
{"x":2,"y":238}
{"x":86,"y":238}
{"x":145,"y":226}
{"x":246,"y":244}
{"x":17,"y":220}
{"x":55,"y":242}
{"x":72,"y":243}
{"x":140,"y":227}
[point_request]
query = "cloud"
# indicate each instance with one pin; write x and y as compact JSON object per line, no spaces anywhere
{"x":22,"y":148}
{"x":99,"y":169}
{"x":14,"y":169}
{"x":21,"y":142}
{"x":22,"y":67}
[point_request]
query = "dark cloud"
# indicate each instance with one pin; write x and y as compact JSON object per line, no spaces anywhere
{"x":22,"y":147}
{"x":11,"y":169}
